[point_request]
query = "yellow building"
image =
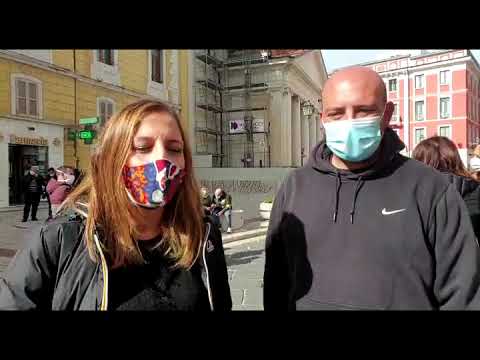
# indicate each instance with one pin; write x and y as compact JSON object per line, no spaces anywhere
{"x":44,"y":93}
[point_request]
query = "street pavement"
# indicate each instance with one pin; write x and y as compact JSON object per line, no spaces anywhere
{"x":245,"y":258}
{"x":14,"y":234}
{"x":246,"y":261}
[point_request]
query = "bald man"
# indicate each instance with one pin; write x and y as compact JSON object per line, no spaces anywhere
{"x":362,"y":227}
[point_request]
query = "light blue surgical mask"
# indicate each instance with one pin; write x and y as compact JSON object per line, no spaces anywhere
{"x":354,"y":140}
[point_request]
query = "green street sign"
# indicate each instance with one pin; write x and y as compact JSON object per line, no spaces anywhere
{"x":88,"y":121}
{"x":86,"y":134}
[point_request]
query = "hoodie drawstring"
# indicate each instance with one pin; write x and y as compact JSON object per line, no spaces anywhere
{"x":358,"y":186}
{"x":338,"y":185}
{"x":337,"y":192}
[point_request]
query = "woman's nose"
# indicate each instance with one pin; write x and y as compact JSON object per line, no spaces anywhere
{"x":158,"y":151}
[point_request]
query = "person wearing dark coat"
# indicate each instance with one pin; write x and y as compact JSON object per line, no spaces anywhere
{"x":33,"y":184}
{"x":441,"y":153}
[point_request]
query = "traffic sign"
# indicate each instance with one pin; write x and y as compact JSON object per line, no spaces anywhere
{"x":88,"y":121}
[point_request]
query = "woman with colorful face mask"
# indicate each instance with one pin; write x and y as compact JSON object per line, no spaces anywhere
{"x":140,"y":241}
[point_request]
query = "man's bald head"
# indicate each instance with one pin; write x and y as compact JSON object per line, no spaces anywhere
{"x":368,"y":79}
{"x":355,"y":92}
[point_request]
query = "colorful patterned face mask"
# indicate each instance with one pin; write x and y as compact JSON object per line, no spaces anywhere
{"x":154,"y":184}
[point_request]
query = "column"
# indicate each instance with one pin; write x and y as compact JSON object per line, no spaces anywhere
{"x":320,"y":130}
{"x":313,"y":131}
{"x":305,"y":138}
{"x":287,"y":128}
{"x":296,"y":132}
{"x":281,"y":128}
{"x":274,"y":119}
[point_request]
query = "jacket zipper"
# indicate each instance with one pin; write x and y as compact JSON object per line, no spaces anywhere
{"x":104,"y":304}
{"x":206,"y":267}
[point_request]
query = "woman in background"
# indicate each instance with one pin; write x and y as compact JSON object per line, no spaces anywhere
{"x":59,"y":188}
{"x":442,"y":154}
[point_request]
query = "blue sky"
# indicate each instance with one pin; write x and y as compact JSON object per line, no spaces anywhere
{"x":339,"y":58}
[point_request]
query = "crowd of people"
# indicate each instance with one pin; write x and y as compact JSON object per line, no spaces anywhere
{"x":360,"y":226}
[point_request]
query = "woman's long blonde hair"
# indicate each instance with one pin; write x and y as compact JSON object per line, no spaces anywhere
{"x":111,"y":213}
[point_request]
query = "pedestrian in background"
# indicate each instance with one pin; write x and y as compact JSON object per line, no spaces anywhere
{"x":475,"y":160}
{"x":206,"y":200}
{"x":140,"y":240}
{"x":59,"y":189}
{"x":221,"y":208}
{"x":442,"y":154}
{"x":51,"y":176}
{"x":33,"y":184}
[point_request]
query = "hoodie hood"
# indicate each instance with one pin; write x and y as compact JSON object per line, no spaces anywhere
{"x":390,"y":146}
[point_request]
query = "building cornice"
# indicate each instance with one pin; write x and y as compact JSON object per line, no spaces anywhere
{"x":60,"y":123}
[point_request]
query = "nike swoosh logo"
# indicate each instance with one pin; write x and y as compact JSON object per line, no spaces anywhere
{"x":385,"y":212}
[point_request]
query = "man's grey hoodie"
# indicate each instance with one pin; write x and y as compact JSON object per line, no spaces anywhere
{"x":394,"y":236}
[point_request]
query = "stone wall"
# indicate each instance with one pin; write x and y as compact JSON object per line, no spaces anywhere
{"x":248,"y":186}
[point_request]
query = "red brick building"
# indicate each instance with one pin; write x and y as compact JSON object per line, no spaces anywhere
{"x":435,"y":93}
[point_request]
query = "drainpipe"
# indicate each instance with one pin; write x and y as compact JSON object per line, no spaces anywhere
{"x":75,"y":154}
{"x":407,"y":114}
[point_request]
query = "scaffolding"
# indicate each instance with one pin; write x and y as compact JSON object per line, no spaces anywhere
{"x":209,"y":87}
{"x":232,"y":118}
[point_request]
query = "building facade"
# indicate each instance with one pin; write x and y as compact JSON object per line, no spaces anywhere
{"x":252,"y":116}
{"x":254,"y":108}
{"x":44,"y":93}
{"x":435,"y":93}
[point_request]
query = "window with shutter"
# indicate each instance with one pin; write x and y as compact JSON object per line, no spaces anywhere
{"x":26,"y":95}
{"x":102,"y":112}
{"x":109,"y":57}
{"x":109,"y":111}
{"x":157,"y":65}
{"x":105,"y":56}
{"x":419,"y":135}
{"x":21,"y":97}
{"x":392,"y":85}
{"x":419,"y":82}
{"x":105,"y":110}
{"x":419,"y":110}
{"x":445,"y":131}
{"x":444,"y":108}
{"x":32,"y":99}
{"x":444,"y":77}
